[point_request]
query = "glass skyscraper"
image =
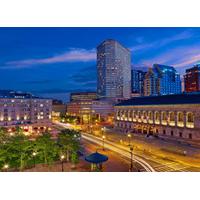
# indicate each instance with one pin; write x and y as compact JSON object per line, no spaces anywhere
{"x":162,"y":80}
{"x":137,"y":81}
{"x":113,"y":70}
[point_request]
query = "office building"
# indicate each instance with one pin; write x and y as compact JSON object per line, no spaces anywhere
{"x":113,"y":70}
{"x":162,"y":80}
{"x":192,"y":79}
{"x":87,"y":110}
{"x":137,"y":82}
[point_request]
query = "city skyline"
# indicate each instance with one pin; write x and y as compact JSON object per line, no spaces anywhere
{"x":30,"y":57}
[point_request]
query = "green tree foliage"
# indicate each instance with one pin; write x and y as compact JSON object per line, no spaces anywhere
{"x":46,"y":148}
{"x":17,"y":150}
{"x":69,"y":142}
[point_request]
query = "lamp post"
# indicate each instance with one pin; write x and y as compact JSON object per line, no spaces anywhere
{"x":103,"y":139}
{"x":103,"y":130}
{"x":6,"y":166}
{"x":131,"y":152}
{"x":34,"y":154}
{"x":129,"y":139}
{"x":62,"y":157}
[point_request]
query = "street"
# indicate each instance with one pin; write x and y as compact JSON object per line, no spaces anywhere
{"x":160,"y":162}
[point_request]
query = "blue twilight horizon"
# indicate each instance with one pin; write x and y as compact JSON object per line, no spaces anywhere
{"x":54,"y":61}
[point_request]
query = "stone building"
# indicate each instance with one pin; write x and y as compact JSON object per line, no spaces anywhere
{"x":24,"y":110}
{"x":176,"y":116}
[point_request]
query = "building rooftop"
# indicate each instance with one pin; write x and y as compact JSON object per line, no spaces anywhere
{"x":194,"y":68}
{"x":18,"y":95}
{"x":193,"y":98}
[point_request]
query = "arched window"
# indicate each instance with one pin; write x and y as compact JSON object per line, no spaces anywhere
{"x":134,"y":116}
{"x":171,"y":119}
{"x":130,"y":115}
{"x":144,"y":116}
{"x":150,"y":116}
{"x":122,"y":115}
{"x":190,"y":120}
{"x":157,"y":117}
{"x":164,"y":118}
{"x":125,"y":115}
{"x":139,"y":116}
{"x":118,"y":115}
{"x":180,"y":119}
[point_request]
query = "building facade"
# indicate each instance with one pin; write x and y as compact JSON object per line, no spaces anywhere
{"x":192,"y":79}
{"x":137,"y":82}
{"x":176,"y":116}
{"x":24,"y":110}
{"x":162,"y":80}
{"x":113,"y":70}
{"x":87,"y":110}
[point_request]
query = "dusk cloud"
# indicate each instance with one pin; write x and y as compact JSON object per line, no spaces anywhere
{"x":162,"y":42}
{"x":180,"y":57}
{"x":73,"y":55}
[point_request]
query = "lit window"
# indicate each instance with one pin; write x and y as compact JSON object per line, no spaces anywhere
{"x":180,"y":119}
{"x":171,"y":119}
{"x":164,"y":118}
{"x":139,"y":116}
{"x":157,"y":117}
{"x":150,"y":117}
{"x":144,"y":117}
{"x":190,"y":120}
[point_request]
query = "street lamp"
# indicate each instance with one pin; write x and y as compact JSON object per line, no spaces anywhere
{"x":34,"y":154}
{"x":62,"y":157}
{"x":131,"y":152}
{"x":6,"y":166}
{"x":103,"y":139}
{"x":129,"y":138}
{"x":103,"y":129}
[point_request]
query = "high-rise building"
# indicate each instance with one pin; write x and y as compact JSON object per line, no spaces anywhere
{"x":137,"y":81}
{"x":192,"y":79}
{"x":113,"y":70}
{"x":162,"y":80}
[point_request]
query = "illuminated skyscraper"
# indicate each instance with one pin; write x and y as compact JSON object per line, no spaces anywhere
{"x":162,"y":80}
{"x":113,"y":70}
{"x":137,"y":81}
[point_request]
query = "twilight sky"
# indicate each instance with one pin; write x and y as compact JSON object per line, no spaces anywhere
{"x":52,"y":62}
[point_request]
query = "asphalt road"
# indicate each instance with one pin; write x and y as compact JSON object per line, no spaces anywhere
{"x":148,"y":161}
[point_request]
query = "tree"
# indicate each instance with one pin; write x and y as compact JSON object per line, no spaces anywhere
{"x":18,"y":151}
{"x":74,"y":159}
{"x":69,"y":142}
{"x":3,"y":135}
{"x":47,"y":150}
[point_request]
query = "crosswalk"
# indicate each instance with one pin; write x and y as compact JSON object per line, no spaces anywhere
{"x":171,"y":167}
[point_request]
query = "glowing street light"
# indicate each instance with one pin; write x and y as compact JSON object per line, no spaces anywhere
{"x":129,"y":138}
{"x":34,"y":154}
{"x":103,"y":129}
{"x":62,"y":157}
{"x":103,"y":139}
{"x":6,"y":166}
